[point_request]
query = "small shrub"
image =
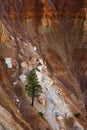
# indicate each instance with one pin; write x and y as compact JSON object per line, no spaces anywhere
{"x":41,"y":114}
{"x":77,"y":115}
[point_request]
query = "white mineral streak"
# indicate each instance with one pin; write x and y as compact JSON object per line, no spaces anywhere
{"x":55,"y":105}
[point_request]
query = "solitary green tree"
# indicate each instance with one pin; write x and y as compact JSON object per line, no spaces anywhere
{"x":33,"y":87}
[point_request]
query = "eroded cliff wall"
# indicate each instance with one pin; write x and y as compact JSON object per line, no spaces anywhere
{"x":54,"y":31}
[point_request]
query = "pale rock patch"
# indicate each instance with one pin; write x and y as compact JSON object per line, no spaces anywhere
{"x":78,"y":126}
{"x":35,"y":48}
{"x":23,"y":78}
{"x":24,"y":64}
{"x":8,"y":62}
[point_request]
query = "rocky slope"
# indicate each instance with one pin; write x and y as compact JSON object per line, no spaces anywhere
{"x":49,"y":35}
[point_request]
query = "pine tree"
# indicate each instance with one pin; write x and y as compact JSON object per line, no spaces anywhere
{"x":33,"y":87}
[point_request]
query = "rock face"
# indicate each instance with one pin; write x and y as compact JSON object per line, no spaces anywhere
{"x":51,"y":36}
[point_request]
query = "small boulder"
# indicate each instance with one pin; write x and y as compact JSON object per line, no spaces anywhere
{"x":40,"y":61}
{"x":39,"y":67}
{"x":15,"y":83}
{"x":17,"y":100}
{"x":23,"y":78}
{"x":8,"y":62}
{"x":18,"y":111}
{"x":23,"y":64}
{"x":35,"y":48}
{"x":59,"y":118}
{"x":42,"y":101}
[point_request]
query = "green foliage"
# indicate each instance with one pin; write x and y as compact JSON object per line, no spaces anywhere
{"x":33,"y":85}
{"x":77,"y":115}
{"x":41,"y":114}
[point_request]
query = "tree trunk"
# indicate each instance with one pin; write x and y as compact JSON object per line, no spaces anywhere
{"x":33,"y":96}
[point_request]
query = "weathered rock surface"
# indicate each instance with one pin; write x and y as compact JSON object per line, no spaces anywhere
{"x":55,"y":31}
